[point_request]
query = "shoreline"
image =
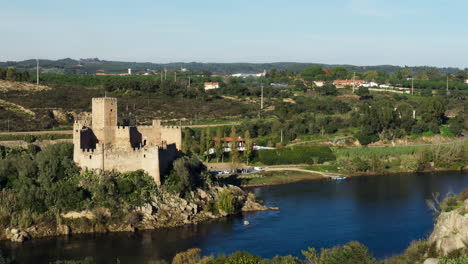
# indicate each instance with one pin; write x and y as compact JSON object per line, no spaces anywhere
{"x":320,"y":176}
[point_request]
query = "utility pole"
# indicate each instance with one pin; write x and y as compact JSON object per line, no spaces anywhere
{"x":354,"y":81}
{"x":175,"y":76}
{"x":281,"y":135}
{"x":165,"y":74}
{"x":447,"y":85}
{"x":261,"y":99}
{"x":37,"y":71}
{"x":412,"y":86}
{"x":189,"y":82}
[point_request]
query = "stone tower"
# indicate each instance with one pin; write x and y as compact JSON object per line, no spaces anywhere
{"x":100,"y":144}
{"x":104,"y":118}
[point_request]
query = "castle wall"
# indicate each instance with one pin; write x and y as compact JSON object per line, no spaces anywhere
{"x":167,"y":154}
{"x":151,"y":134}
{"x":172,"y":135}
{"x":103,"y":145}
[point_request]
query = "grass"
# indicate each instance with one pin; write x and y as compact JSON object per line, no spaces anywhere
{"x":33,"y":138}
{"x":379,"y":151}
{"x":280,"y":177}
{"x":445,"y":132}
{"x":323,"y":168}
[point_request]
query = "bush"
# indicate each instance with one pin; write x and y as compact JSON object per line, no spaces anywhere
{"x":296,"y":155}
{"x":191,"y":256}
{"x":351,"y":253}
{"x":412,"y":163}
{"x":188,"y":173}
{"x":226,"y":202}
{"x":415,"y":253}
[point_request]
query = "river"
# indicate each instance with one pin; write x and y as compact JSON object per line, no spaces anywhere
{"x":384,"y":213}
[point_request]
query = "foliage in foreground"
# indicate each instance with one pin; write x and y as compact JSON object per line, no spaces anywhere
{"x":37,"y":185}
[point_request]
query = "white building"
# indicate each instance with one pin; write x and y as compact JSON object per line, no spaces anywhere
{"x":466,"y":80}
{"x":319,"y":83}
{"x":211,"y":85}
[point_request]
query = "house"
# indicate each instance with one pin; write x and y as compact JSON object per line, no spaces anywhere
{"x":466,"y":80}
{"x":211,"y":85}
{"x":247,"y":75}
{"x":278,"y":85}
{"x":319,"y":83}
{"x":227,"y":142}
{"x":344,"y":83}
{"x":370,"y":84}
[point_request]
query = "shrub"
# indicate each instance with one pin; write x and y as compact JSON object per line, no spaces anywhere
{"x":188,"y":173}
{"x":242,"y":258}
{"x":415,"y":253}
{"x":87,"y":260}
{"x":351,"y":253}
{"x":453,"y":261}
{"x":411,"y":163}
{"x":226,"y":202}
{"x":191,"y":256}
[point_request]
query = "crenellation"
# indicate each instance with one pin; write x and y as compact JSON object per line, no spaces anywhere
{"x":101,"y":144}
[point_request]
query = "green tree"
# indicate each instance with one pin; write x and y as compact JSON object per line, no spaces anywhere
{"x":219,"y":144}
{"x":208,"y":142}
{"x":371,"y":75}
{"x":312,"y":73}
{"x":234,"y":151}
{"x":433,"y":110}
{"x":248,"y":147}
{"x":202,"y":143}
{"x":11,"y":74}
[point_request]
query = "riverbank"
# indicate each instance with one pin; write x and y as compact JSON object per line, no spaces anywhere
{"x":165,"y":210}
{"x":278,"y":177}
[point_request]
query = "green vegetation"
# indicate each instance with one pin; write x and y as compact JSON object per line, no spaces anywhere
{"x":33,"y":138}
{"x":449,"y":203}
{"x":188,"y":173}
{"x":36,"y":186}
{"x":401,"y":158}
{"x":296,"y":155}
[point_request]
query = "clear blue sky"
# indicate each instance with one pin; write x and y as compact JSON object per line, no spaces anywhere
{"x":361,"y":32}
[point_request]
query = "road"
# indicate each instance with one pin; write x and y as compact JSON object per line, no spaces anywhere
{"x":293,"y":168}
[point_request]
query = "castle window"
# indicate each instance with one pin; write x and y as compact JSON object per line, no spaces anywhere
{"x":90,"y":156}
{"x":111,"y":110}
{"x":144,"y":155}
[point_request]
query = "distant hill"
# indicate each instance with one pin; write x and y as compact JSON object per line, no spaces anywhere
{"x":94,"y":65}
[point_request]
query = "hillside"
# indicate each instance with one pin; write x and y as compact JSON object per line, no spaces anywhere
{"x":92,"y":66}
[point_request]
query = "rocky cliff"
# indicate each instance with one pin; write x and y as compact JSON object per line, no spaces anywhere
{"x":451,"y":231}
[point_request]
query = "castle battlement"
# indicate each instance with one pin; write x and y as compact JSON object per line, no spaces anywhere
{"x":99,"y":99}
{"x":102,"y":144}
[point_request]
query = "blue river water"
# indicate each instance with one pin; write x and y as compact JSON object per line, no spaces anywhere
{"x":385,"y":213}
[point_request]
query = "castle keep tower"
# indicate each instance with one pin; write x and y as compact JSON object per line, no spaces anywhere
{"x":101,"y":144}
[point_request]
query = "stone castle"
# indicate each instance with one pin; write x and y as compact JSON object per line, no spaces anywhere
{"x":102,"y":144}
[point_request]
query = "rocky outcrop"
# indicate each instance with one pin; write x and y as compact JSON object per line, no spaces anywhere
{"x":166,"y":210}
{"x":171,"y":210}
{"x":16,"y":235}
{"x":451,"y":230}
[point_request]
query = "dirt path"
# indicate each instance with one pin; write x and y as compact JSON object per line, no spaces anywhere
{"x":324,"y":174}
